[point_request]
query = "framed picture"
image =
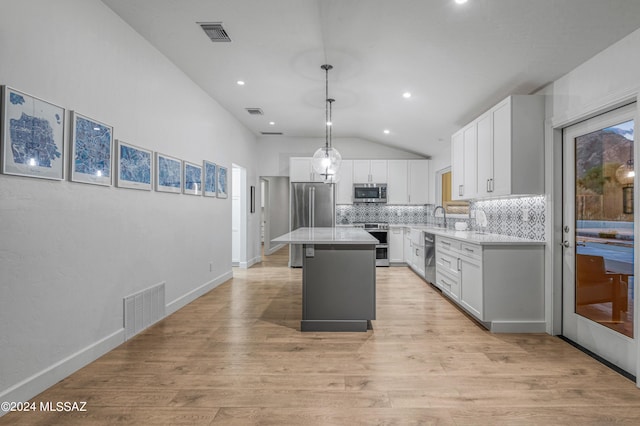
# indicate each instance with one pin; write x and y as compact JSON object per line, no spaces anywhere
{"x":133,"y":166}
{"x":168,"y":174}
{"x":210,"y":178}
{"x":91,"y":150}
{"x":32,"y":137}
{"x":192,"y":178}
{"x":222,"y":182}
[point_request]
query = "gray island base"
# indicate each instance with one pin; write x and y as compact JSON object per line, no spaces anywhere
{"x":338,"y":278}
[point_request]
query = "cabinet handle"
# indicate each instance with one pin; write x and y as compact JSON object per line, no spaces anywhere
{"x":459,"y":264}
{"x":491,"y":184}
{"x":469,"y":250}
{"x":460,"y":190}
{"x":488,"y":185}
{"x":447,"y":243}
{"x":443,"y":260}
{"x":445,"y":283}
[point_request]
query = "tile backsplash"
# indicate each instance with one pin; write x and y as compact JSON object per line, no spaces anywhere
{"x":522,"y":217}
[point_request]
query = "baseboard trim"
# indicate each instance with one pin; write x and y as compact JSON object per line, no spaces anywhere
{"x":39,"y":382}
{"x":518,"y":327}
{"x":273,"y":249}
{"x":189,"y":297}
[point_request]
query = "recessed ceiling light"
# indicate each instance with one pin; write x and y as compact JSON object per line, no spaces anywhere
{"x":461,"y":1}
{"x":240,"y":83}
{"x":272,"y":123}
{"x":406,"y":95}
{"x":386,"y":131}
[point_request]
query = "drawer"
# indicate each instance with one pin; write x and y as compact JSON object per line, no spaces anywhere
{"x":471,"y":250}
{"x":447,"y":262}
{"x":447,"y":244}
{"x":449,"y":285}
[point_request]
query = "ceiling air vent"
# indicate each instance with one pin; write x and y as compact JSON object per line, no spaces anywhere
{"x":271,"y":133}
{"x":215,"y":31}
{"x":254,"y":111}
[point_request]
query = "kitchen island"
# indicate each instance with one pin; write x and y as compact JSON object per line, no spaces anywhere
{"x":338,"y":278}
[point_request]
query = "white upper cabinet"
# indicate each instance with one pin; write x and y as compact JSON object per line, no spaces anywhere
{"x":507,"y":143}
{"x":398,"y":182}
{"x":369,"y":171}
{"x":344,"y":186}
{"x":301,"y":170}
{"x":464,"y":151}
{"x":408,"y":182}
{"x":418,"y":181}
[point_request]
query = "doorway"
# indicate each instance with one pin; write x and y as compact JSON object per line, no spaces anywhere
{"x":238,"y":216}
{"x":598,"y":267}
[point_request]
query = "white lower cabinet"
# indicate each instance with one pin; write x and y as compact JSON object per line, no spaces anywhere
{"x":396,"y":245}
{"x":501,"y":285}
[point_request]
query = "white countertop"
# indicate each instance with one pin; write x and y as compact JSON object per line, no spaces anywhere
{"x":472,"y":236}
{"x":342,"y":235}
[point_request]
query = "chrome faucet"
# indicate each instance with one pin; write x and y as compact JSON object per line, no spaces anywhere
{"x":444,"y":215}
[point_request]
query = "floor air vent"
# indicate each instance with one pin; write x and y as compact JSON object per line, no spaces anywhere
{"x":214,"y":31}
{"x":142,"y":309}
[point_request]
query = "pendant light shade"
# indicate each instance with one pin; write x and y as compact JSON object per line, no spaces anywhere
{"x":326,"y":160}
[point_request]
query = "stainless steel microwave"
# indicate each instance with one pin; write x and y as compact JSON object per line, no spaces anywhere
{"x":369,"y":192}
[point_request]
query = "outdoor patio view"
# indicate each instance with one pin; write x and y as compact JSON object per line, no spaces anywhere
{"x":604,"y":227}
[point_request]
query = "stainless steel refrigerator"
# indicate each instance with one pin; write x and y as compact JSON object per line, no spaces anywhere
{"x":312,"y":205}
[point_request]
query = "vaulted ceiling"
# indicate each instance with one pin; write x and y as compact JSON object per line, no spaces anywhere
{"x":455,"y":60}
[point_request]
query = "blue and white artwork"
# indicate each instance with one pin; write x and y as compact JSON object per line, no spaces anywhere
{"x":168,"y":174}
{"x":133,"y":167}
{"x":92,"y":147}
{"x":222,"y":182}
{"x":32,"y":136}
{"x":192,"y":179}
{"x":210,"y":179}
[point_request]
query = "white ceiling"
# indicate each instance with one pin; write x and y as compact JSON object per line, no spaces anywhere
{"x":456,"y":60}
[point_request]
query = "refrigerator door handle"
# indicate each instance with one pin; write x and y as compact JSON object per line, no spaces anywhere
{"x":312,"y":207}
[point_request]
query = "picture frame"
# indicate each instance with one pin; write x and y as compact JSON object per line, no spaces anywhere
{"x":253,"y":199}
{"x":222,"y":182}
{"x":168,"y":174}
{"x":134,"y":166}
{"x":192,"y":178}
{"x":91,"y":150}
{"x":210,"y":179}
{"x":23,"y":152}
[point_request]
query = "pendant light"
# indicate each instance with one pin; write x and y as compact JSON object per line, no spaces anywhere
{"x":326,"y":160}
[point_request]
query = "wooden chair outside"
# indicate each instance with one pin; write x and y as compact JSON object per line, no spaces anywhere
{"x":595,"y":285}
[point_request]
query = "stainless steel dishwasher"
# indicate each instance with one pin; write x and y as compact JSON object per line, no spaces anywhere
{"x":430,"y":257}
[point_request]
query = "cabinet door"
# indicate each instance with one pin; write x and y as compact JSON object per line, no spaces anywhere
{"x":300,"y":170}
{"x":470,"y":161}
{"x":457,"y":166}
{"x":485,"y":154}
{"x":397,"y":182}
{"x":378,"y":171}
{"x":418,"y":181}
{"x":361,"y":171}
{"x":471,"y":288}
{"x":396,"y":245}
{"x":501,"y":184}
{"x":344,"y":186}
{"x":407,"y":246}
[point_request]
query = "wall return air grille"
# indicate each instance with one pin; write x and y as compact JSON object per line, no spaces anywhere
{"x":143,"y":309}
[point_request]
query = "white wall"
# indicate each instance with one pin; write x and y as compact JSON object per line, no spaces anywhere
{"x":70,"y":252}
{"x":275,"y":151}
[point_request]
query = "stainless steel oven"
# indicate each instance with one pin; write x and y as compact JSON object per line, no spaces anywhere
{"x":379,"y":231}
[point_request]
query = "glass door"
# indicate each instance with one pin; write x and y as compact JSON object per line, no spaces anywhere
{"x":598,"y":230}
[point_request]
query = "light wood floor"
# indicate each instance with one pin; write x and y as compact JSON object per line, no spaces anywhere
{"x":235,"y":357}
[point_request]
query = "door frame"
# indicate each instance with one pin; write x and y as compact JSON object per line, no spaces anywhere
{"x":554,"y":210}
